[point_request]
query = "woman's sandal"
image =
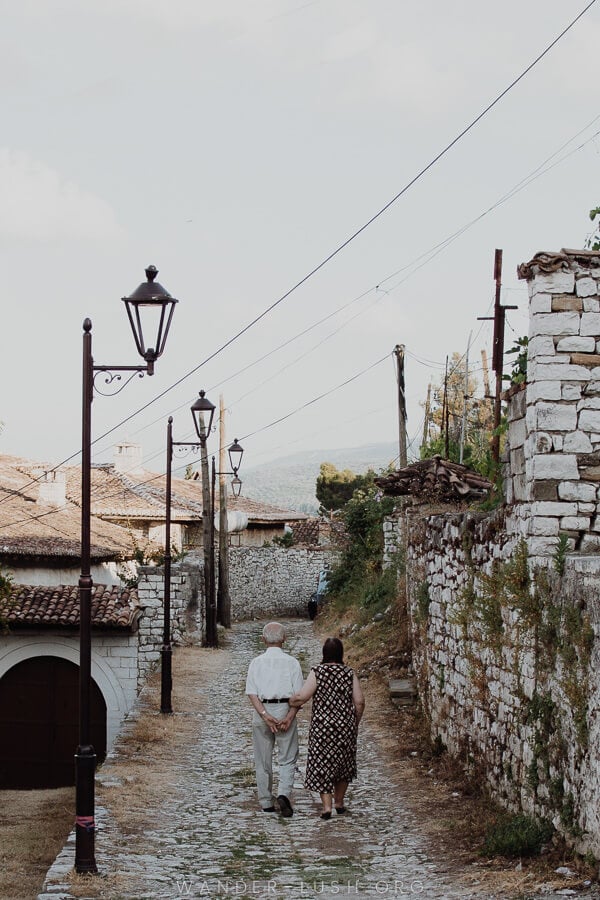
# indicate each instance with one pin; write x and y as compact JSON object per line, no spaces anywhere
{"x":340,"y":810}
{"x":326,"y":815}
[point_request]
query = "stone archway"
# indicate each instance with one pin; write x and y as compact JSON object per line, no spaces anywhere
{"x":18,"y":649}
{"x":39,"y":723}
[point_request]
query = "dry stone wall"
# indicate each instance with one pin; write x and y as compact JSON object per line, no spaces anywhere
{"x":554,"y":425}
{"x":274,"y":580}
{"x":508,"y":666}
{"x":263,"y":581}
{"x":504,"y":607}
{"x":187,"y":610}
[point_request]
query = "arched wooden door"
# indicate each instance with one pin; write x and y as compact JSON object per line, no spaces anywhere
{"x":39,"y":701}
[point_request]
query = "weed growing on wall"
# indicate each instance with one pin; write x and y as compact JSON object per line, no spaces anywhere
{"x":6,"y":604}
{"x":552,"y":630}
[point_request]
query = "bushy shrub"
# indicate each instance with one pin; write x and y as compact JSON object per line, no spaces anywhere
{"x":517,"y":835}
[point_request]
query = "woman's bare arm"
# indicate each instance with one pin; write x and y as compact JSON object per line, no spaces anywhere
{"x":305,"y":692}
{"x":358,"y":698}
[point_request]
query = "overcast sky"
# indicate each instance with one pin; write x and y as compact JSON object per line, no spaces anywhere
{"x":235,"y":144}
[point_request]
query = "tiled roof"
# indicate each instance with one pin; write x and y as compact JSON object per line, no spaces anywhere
{"x":33,"y":606}
{"x":142,"y":495}
{"x":312,"y":531}
{"x":30,"y":528}
{"x":45,"y":548}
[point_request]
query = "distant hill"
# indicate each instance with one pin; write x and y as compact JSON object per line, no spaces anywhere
{"x":289,"y":482}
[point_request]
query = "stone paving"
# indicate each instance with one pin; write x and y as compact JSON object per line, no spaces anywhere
{"x":205,"y":835}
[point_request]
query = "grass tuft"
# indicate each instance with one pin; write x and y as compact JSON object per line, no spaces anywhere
{"x":517,"y":835}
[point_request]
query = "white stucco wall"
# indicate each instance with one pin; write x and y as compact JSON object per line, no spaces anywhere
{"x":103,"y":573}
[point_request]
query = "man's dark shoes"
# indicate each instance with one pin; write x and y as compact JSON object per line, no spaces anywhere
{"x":285,"y":807}
{"x":268,"y":809}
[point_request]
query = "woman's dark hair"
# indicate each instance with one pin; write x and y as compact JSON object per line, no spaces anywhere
{"x":333,"y":651}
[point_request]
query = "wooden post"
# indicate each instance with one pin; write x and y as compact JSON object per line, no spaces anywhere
{"x":427,"y":415}
{"x":497,"y":352}
{"x":223,"y":597}
{"x":209,"y":624}
{"x":399,"y":354}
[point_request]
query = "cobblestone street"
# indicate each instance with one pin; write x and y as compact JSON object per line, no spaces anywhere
{"x":194,"y":829}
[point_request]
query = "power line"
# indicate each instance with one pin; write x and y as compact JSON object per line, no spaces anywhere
{"x":316,"y":399}
{"x":348,"y":240}
{"x":427,"y":257}
{"x":363,"y":227}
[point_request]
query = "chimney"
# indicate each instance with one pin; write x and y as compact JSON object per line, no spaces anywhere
{"x":127,"y":459}
{"x":52,"y":488}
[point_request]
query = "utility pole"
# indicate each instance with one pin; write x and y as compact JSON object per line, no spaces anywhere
{"x":497,"y":352}
{"x":399,"y":354}
{"x":427,"y":415}
{"x":223,"y":597}
{"x":465,"y":400}
{"x":486,"y":422}
{"x":486,"y":373}
{"x":210,"y":621}
{"x":445,"y":415}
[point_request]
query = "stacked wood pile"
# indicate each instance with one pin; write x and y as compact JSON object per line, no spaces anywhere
{"x":435,"y":478}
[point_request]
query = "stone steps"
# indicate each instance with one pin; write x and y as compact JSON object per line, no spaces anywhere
{"x":403,"y":691}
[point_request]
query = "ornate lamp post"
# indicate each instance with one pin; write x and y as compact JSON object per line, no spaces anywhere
{"x":235,"y":451}
{"x":202,"y":413}
{"x":150,"y":309}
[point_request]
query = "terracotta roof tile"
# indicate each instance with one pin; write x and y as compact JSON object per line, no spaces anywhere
{"x":36,"y":606}
{"x":119,"y":495}
{"x":31,"y":528}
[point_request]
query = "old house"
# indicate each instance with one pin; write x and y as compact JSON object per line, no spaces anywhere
{"x":39,"y":628}
{"x":127,"y":494}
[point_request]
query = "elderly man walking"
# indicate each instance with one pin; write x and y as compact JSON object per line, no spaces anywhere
{"x":272,"y":679}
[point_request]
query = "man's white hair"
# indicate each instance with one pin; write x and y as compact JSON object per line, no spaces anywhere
{"x":274,"y":633}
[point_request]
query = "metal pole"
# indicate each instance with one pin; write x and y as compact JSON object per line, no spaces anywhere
{"x":497,"y":354}
{"x":166,"y":653}
{"x":85,"y":756}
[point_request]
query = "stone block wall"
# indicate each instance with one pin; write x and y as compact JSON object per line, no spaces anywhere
{"x":554,"y":456}
{"x":392,"y":536}
{"x":504,"y":607}
{"x":187,"y":610}
{"x":274,"y":580}
{"x":508,"y":671}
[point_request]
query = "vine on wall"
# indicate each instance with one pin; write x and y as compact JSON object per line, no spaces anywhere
{"x":506,"y":616}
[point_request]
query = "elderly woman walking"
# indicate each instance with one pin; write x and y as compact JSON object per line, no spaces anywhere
{"x":337,"y":708}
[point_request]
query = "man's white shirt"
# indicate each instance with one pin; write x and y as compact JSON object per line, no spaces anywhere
{"x":274,"y":674}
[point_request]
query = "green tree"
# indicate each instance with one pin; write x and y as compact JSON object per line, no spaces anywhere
{"x":358,"y":577}
{"x":335,"y":487}
{"x":479,"y":420}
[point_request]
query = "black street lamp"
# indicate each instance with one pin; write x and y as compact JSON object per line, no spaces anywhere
{"x":149,"y":301}
{"x":202,"y":410}
{"x":235,"y":451}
